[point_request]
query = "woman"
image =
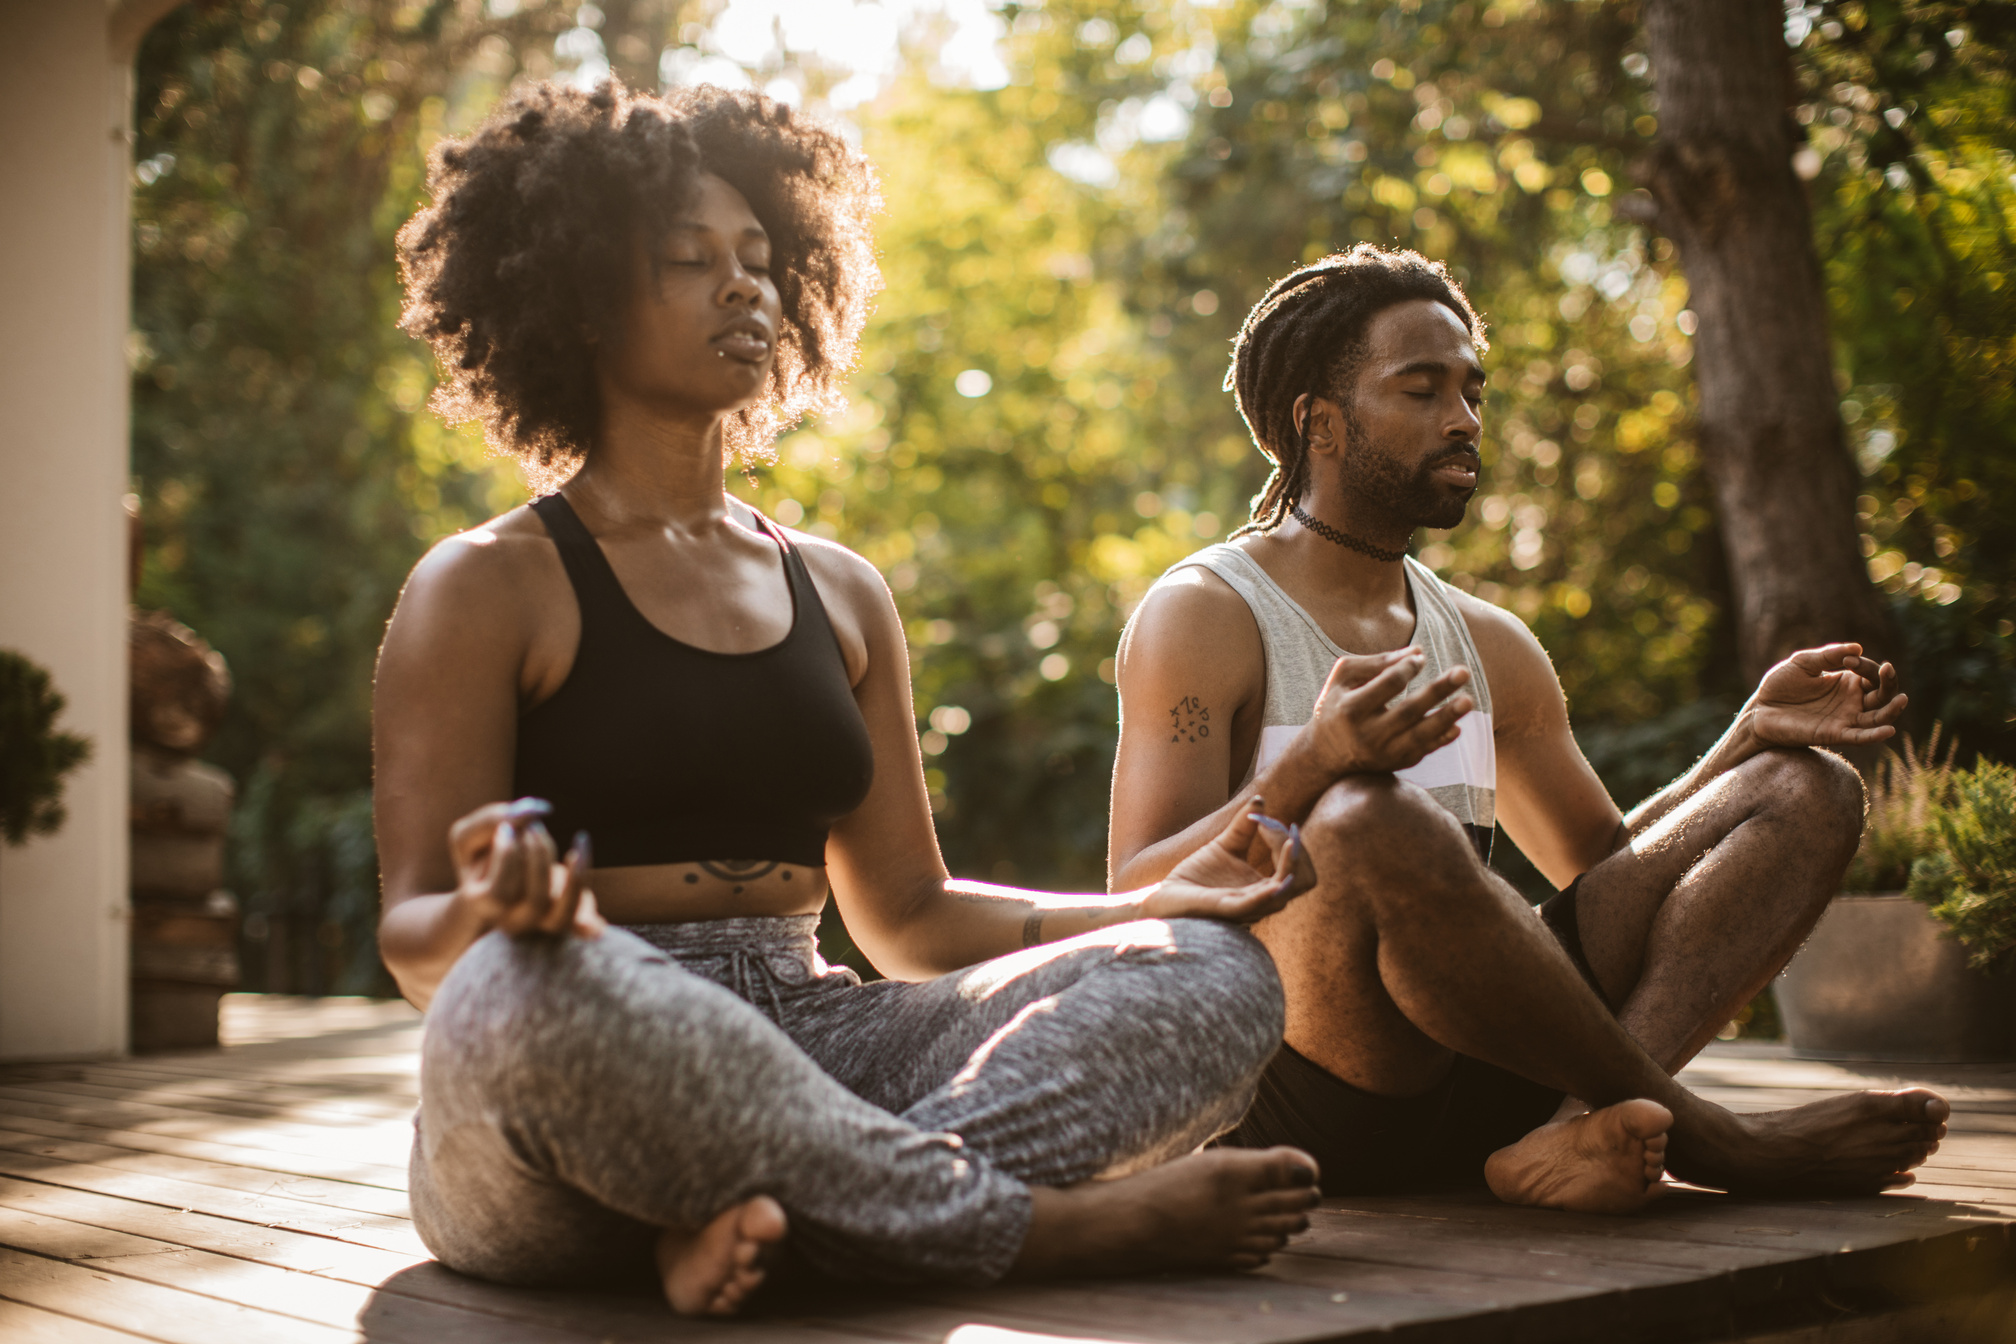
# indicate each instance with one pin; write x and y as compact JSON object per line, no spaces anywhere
{"x":636,"y":289}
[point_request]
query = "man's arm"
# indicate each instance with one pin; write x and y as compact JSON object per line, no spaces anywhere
{"x":1549,"y":798}
{"x":1831,"y":696}
{"x":1192,"y":674}
{"x":1193,"y":646}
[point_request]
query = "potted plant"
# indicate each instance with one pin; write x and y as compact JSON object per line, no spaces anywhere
{"x":34,"y":756}
{"x":1884,"y":976}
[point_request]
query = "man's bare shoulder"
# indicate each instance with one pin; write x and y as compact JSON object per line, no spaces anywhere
{"x":1521,"y":674}
{"x":1192,"y":605}
{"x":1193,"y":621}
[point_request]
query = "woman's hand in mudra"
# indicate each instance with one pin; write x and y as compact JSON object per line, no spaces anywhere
{"x":1217,"y":882}
{"x":508,"y":877}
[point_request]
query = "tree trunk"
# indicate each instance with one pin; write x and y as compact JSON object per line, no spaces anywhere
{"x":1771,"y":435}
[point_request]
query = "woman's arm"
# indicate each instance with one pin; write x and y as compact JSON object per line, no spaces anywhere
{"x":901,"y":907}
{"x":456,"y":861}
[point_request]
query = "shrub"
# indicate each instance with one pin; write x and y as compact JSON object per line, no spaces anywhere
{"x":1907,"y":792}
{"x":1969,"y":880}
{"x":34,"y":757}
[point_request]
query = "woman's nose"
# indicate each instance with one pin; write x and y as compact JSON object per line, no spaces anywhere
{"x":740,"y":286}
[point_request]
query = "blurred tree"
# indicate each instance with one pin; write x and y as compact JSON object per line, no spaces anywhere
{"x":287,"y":480}
{"x":1770,"y":421}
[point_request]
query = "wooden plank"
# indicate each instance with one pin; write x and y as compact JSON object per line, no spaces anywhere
{"x":1228,"y":1307}
{"x":277,"y":1137}
{"x":262,"y":1159}
{"x":284,"y":1292}
{"x":366,"y":1229}
{"x":333,"y":1194}
{"x":282,"y":1247}
{"x":326,"y":1116}
{"x":361,"y":1097}
{"x":21,"y":1324}
{"x":605,"y":1316}
{"x":164,"y":1314}
{"x":307,"y":1297}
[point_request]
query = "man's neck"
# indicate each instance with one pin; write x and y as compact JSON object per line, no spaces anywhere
{"x":1362,"y":603}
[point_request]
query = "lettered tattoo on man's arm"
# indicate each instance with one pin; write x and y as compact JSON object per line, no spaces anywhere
{"x":1189,"y":720}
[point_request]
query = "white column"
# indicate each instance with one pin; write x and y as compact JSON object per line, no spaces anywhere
{"x":64,"y":227}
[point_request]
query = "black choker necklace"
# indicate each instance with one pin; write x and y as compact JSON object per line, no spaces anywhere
{"x":1329,"y":533}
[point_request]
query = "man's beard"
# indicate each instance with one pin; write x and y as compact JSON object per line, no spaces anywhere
{"x":1389,"y":491}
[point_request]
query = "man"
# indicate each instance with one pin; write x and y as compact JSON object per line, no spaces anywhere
{"x":1436,"y":1029}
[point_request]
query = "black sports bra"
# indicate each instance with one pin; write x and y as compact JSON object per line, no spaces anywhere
{"x":665,"y":753}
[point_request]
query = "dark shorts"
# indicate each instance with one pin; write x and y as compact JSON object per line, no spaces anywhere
{"x":1372,"y":1144}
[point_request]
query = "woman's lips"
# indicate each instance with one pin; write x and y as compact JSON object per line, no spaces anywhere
{"x":743,"y":345}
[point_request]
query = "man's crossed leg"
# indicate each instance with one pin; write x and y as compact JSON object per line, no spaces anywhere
{"x":1415,"y":962}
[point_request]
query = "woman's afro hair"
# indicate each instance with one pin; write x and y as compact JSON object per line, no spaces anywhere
{"x":523,"y":261}
{"x":1307,"y":335}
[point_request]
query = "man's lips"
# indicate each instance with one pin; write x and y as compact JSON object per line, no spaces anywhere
{"x":1458,"y":471}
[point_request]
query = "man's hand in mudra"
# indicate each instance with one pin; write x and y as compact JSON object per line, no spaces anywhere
{"x":1831,"y":696}
{"x":1217,"y":882}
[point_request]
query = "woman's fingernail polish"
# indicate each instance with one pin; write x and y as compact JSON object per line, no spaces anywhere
{"x":1269,"y":822}
{"x":583,"y":851}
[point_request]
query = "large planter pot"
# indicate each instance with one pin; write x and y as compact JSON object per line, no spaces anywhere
{"x":1881,"y":979}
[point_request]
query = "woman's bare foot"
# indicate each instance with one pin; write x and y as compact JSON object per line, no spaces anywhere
{"x":1857,"y":1143}
{"x":1224,"y":1208}
{"x":1606,"y":1161}
{"x":712,"y":1271}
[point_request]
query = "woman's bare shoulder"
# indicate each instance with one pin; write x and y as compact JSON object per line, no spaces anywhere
{"x":495,"y":570}
{"x":840,"y":571}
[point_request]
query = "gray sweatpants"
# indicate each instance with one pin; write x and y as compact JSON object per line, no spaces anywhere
{"x":577,"y":1096}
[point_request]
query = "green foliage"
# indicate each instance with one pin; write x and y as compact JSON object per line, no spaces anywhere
{"x":289,"y":478}
{"x":34,"y":756}
{"x":1908,"y":791}
{"x":1970,"y":879}
{"x":1915,"y":198}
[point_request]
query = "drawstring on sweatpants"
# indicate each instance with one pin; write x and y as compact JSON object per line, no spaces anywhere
{"x":757,"y":953}
{"x":747,"y":967}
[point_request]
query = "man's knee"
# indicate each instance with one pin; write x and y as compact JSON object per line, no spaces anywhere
{"x":1822,"y":788}
{"x":1382,"y":816}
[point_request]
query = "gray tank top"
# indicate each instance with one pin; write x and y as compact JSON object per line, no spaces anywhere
{"x":1462,"y":776}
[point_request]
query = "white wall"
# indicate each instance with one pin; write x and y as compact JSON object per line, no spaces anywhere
{"x":65,"y":82}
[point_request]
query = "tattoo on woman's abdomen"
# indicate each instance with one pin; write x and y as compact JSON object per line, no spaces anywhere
{"x":738,"y":870}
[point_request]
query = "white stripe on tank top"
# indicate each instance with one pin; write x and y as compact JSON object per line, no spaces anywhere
{"x":1463,"y":776}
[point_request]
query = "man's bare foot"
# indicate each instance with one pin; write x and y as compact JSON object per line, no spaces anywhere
{"x":1606,"y":1161}
{"x":1223,"y":1208}
{"x":712,"y":1271}
{"x":1858,"y":1143}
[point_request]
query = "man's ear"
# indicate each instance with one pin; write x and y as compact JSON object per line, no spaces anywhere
{"x":1321,"y":423}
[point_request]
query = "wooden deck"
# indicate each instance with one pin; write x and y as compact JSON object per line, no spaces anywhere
{"x":256,"y":1194}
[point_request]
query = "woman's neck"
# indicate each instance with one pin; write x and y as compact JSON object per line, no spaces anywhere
{"x":654,"y":469}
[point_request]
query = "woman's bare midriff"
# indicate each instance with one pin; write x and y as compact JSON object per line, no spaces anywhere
{"x":676,"y":893}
